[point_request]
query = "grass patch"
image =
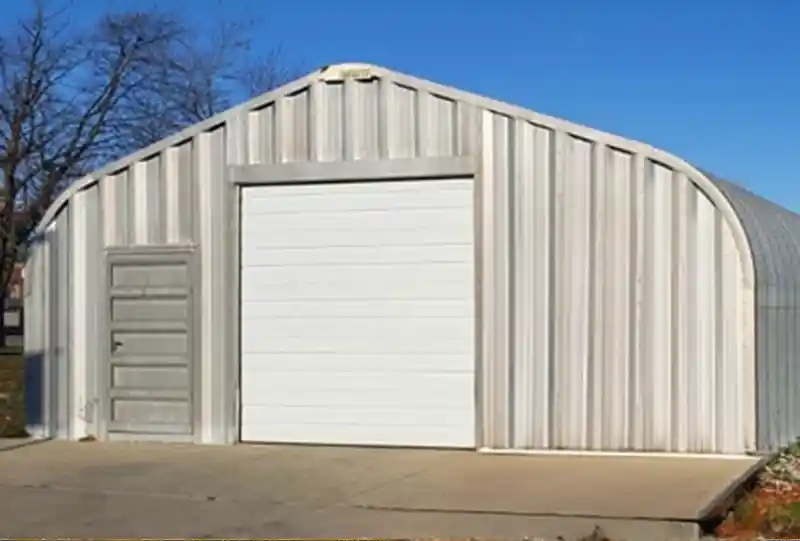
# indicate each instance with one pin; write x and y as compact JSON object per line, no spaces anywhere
{"x":12,"y":392}
{"x":772,"y":508}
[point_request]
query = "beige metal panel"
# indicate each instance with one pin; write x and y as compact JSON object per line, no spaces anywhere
{"x":683,"y":295}
{"x":731,"y":368}
{"x":115,"y":195}
{"x":598,"y":274}
{"x":627,"y":327}
{"x":750,"y":417}
{"x":85,"y":263}
{"x":617,"y":324}
{"x":773,"y":232}
{"x":171,"y":181}
{"x":401,"y":121}
{"x":534,"y":230}
{"x":36,"y":338}
{"x":150,"y":202}
{"x":701,"y":430}
{"x":355,"y":120}
{"x":227,"y":389}
{"x":571,"y":254}
{"x":327,"y":107}
{"x":360,"y":129}
{"x":261,"y":134}
{"x":210,"y":164}
{"x":636,"y":300}
{"x":494,"y":272}
{"x":656,"y":360}
{"x":59,"y":343}
{"x":393,"y":121}
{"x":182,"y":209}
{"x":294,"y":123}
{"x":146,"y":199}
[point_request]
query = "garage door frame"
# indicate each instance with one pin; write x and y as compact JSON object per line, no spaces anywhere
{"x":415,"y":169}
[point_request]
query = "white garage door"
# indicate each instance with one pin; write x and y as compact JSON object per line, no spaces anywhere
{"x":358,"y":313}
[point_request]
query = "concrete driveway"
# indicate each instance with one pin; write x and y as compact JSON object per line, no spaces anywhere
{"x":64,"y":489}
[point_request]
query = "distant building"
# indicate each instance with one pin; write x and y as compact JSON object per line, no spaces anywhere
{"x":15,"y":285}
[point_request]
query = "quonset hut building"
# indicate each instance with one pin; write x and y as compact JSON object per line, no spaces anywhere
{"x":364,"y":257}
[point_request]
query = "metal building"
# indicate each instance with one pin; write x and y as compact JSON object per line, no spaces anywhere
{"x":363,"y":257}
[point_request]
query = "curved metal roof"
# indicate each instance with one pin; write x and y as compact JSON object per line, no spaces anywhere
{"x":774,"y":236}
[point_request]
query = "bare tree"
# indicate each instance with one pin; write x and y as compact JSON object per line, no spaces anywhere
{"x":74,"y":97}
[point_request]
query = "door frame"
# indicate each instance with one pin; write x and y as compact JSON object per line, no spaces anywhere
{"x":397,"y":170}
{"x":159,"y":254}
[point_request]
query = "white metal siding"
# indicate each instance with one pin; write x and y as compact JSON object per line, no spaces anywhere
{"x":626,"y":277}
{"x":654,"y":347}
{"x":358,"y":313}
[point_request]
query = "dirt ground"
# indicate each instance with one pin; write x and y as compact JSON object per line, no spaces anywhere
{"x":12,"y":397}
{"x":771,"y":507}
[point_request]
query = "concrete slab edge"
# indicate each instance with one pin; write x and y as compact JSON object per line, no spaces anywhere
{"x":606,"y":454}
{"x":23,"y":442}
{"x":719,"y":506}
{"x":572,"y":526}
{"x":522,"y":514}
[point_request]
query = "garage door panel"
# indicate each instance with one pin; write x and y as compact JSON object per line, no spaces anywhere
{"x":259,"y":289}
{"x":390,"y":364}
{"x":358,"y":313}
{"x":329,"y":235}
{"x":324,"y":238}
{"x":398,"y":308}
{"x":351,"y":390}
{"x":358,"y":255}
{"x":351,"y":275}
{"x":306,"y":344}
{"x":354,"y":197}
{"x":398,"y":337}
{"x":389,"y":219}
{"x":331,"y":191}
{"x":365,"y":434}
{"x":377,"y":416}
{"x":383,"y":329}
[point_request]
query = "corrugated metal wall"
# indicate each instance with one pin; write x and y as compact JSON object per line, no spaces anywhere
{"x":775,"y":239}
{"x":626,"y":304}
{"x":613,"y":309}
{"x":48,"y":344}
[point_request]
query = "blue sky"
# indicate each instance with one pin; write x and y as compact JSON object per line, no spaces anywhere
{"x":715,"y":82}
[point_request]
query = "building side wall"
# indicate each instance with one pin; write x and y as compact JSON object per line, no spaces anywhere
{"x":614,"y":307}
{"x":775,"y":237}
{"x":48,"y":347}
{"x":627,"y":322}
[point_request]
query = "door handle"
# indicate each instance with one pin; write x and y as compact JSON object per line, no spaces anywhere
{"x":115,"y":346}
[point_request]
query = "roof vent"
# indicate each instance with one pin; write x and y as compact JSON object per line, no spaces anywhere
{"x":340,"y":72}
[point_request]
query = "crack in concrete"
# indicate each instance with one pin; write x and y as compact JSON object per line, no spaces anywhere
{"x":500,"y":512}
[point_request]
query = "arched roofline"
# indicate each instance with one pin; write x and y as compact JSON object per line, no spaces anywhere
{"x":340,"y":72}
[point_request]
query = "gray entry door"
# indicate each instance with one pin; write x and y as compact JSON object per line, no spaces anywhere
{"x":150,"y":354}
